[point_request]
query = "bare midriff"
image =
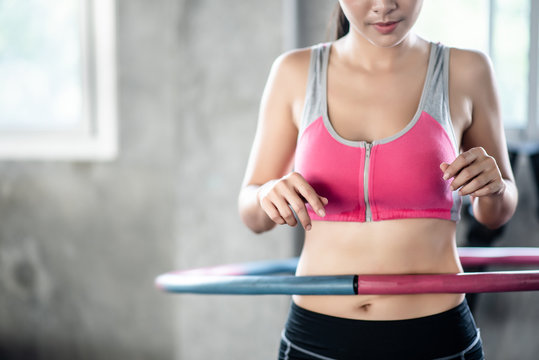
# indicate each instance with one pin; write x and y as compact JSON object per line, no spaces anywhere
{"x":409,"y":246}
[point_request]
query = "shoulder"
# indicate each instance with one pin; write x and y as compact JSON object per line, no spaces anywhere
{"x":470,"y":61}
{"x":292,"y":63}
{"x":470,"y":69}
{"x":289,"y":75}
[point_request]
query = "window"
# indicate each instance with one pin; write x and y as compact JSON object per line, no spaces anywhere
{"x":57,"y":79}
{"x":503,"y":29}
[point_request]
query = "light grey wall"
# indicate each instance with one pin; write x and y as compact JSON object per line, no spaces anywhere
{"x":80,"y":243}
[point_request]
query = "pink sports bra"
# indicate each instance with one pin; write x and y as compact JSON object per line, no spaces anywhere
{"x":398,"y":177}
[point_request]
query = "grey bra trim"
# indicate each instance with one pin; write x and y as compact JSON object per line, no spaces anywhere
{"x":418,"y":112}
{"x":434,"y":100}
{"x":315,"y":85}
{"x":445,"y":83}
{"x":434,"y":96}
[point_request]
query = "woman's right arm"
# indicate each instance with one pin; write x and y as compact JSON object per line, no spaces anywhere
{"x":269,"y":187}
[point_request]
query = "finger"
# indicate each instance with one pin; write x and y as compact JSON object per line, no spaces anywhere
{"x":490,"y":189}
{"x":489,"y":176}
{"x":285,"y":211}
{"x":312,"y":198}
{"x":483,"y":166}
{"x":496,"y":183}
{"x":462,"y":161}
{"x":304,"y":217}
{"x":272,"y":212}
{"x":297,"y":204}
{"x":484,"y":191}
{"x":476,"y":184}
{"x":444,"y":166}
{"x":301,"y":212}
{"x":466,"y":175}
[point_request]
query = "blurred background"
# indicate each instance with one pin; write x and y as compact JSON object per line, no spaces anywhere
{"x":125,"y":128}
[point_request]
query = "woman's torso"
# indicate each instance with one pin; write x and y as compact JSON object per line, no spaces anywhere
{"x":367,"y":107}
{"x":412,"y":246}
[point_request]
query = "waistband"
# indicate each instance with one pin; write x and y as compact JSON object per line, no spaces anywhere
{"x":430,"y":337}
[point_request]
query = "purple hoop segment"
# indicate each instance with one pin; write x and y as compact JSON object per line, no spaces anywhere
{"x":252,"y":278}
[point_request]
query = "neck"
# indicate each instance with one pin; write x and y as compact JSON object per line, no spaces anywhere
{"x":359,"y":52}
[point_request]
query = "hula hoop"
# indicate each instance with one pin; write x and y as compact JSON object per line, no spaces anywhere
{"x":254,"y":278}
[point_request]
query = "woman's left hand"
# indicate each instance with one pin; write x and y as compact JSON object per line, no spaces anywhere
{"x":475,"y":173}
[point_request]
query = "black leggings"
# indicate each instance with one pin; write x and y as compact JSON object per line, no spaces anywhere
{"x":448,"y":335}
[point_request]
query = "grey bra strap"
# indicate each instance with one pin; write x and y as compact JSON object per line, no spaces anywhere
{"x":437,"y":105}
{"x":316,"y":86}
{"x":437,"y":99}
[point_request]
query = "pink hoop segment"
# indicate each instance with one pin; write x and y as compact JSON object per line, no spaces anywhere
{"x":478,"y":256}
{"x":502,"y":281}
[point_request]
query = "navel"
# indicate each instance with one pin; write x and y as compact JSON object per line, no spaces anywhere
{"x":365,"y":308}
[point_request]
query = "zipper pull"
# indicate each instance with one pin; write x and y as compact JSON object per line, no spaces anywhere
{"x":368,"y":147}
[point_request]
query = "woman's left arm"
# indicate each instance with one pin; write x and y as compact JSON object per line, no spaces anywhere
{"x":483,"y":169}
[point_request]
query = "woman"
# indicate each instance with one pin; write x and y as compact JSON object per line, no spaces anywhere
{"x":372,"y":140}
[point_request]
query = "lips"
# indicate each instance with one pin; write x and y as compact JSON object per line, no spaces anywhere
{"x":385,"y":27}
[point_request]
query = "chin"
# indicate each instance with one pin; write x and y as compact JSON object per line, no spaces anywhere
{"x":386,"y":43}
{"x":388,"y":40}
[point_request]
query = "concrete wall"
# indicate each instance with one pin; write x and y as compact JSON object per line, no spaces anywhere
{"x":225,"y":110}
{"x":80,"y":243}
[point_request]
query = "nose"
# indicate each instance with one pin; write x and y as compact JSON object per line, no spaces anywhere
{"x":384,"y":7}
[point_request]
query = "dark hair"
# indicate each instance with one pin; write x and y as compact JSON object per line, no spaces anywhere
{"x":342,"y":25}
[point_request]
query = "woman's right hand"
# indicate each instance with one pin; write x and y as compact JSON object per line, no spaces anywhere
{"x":276,"y":197}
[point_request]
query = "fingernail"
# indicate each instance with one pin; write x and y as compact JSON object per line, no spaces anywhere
{"x":321,"y":213}
{"x":446,"y":176}
{"x":308,"y":227}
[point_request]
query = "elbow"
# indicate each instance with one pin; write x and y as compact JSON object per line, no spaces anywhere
{"x":259,"y":230}
{"x":256,"y":225}
{"x":255,"y":220}
{"x":493,"y":220}
{"x":493,"y":225}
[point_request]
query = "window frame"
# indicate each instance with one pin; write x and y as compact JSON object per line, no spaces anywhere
{"x":98,"y":138}
{"x":533,"y":72}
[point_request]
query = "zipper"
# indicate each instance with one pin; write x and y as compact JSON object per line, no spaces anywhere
{"x":368,"y":213}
